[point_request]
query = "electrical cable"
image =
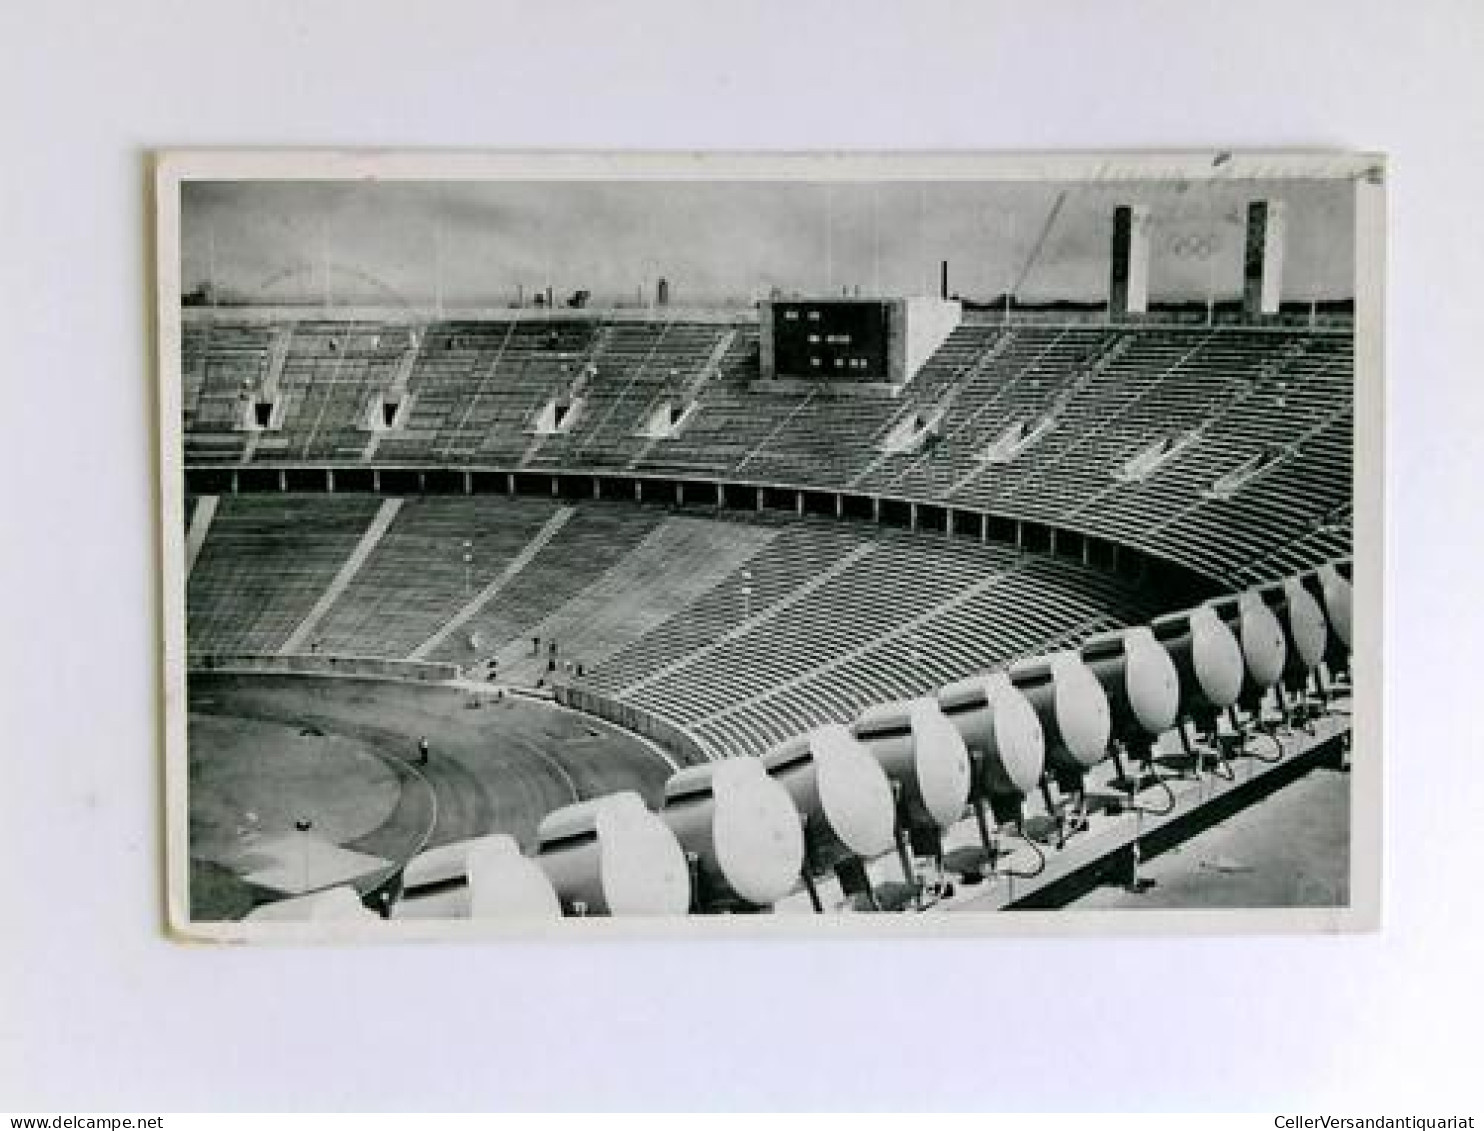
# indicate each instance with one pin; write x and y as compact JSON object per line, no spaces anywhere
{"x":1036,"y":848}
{"x":1273,"y":738}
{"x":1161,"y":781}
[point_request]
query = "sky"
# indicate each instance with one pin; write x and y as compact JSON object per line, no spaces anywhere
{"x":422,"y":244}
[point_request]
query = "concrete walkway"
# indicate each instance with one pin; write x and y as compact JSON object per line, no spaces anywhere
{"x":200,"y":524}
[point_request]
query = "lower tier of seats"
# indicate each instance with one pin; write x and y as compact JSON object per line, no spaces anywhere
{"x":742,"y":630}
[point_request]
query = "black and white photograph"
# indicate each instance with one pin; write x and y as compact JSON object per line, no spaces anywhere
{"x":770,"y":544}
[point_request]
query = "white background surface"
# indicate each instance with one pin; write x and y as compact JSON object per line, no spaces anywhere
{"x":98,"y":1012}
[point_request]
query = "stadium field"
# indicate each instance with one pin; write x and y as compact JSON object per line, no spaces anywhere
{"x":269,"y":753}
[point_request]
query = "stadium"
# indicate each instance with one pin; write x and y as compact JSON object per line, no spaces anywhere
{"x":868,"y":589}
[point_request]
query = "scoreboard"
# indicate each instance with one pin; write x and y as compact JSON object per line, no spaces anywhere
{"x":852,"y":345}
{"x":831,"y":341}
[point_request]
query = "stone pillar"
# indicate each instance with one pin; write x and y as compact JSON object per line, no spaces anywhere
{"x":1128,"y":279}
{"x":1262,"y":266}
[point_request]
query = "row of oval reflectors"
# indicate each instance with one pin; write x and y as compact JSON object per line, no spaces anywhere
{"x":743,"y":830}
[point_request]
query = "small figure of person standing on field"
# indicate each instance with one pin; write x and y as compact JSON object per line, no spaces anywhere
{"x":422,"y":751}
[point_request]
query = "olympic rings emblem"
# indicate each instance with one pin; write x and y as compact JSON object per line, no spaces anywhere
{"x":1194,"y":247}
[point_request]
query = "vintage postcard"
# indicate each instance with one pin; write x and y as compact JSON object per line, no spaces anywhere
{"x":752,"y":544}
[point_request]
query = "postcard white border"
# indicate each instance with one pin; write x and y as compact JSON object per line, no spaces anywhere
{"x":1365,"y":171}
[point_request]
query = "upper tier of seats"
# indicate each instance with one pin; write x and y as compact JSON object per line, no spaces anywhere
{"x":1226,"y":449}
